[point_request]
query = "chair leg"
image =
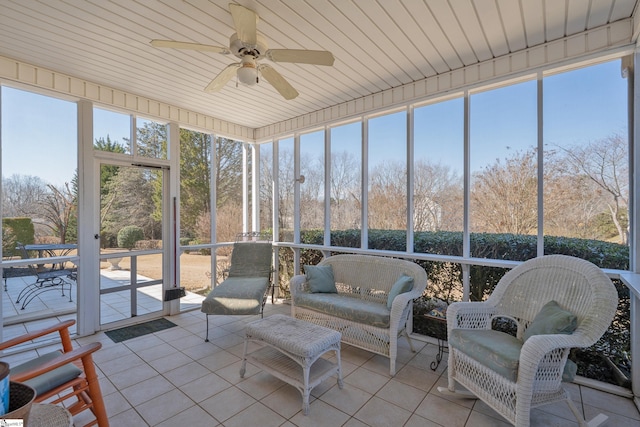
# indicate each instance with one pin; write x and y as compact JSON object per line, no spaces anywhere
{"x":462,"y":394}
{"x":98,"y":408}
{"x":410,"y":342}
{"x":206,"y":339}
{"x":595,"y":422}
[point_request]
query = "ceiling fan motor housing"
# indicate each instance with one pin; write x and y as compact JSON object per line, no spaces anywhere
{"x":242,"y":49}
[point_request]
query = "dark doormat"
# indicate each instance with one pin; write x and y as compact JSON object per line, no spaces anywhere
{"x":134,"y":331}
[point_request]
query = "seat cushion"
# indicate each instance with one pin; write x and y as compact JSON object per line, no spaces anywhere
{"x":345,"y":307}
{"x":320,"y":278}
{"x":552,"y":319}
{"x":49,"y":380}
{"x":236,"y":296}
{"x":496,"y":350}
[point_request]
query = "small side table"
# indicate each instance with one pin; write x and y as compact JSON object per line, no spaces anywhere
{"x":441,"y":346}
{"x":46,"y":415}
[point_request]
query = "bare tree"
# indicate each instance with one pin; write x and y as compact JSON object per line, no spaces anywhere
{"x":503,"y":196}
{"x":312,"y":193}
{"x":266,"y":186}
{"x":605,"y":162}
{"x":21,"y":195}
{"x":228,"y":221}
{"x":345,"y":191}
{"x":572,"y":203}
{"x":58,"y":208}
{"x":285,"y":190}
{"x":387,"y":196}
{"x":435,"y":190}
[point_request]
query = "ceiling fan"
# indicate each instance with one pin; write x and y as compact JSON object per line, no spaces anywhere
{"x":248,"y":45}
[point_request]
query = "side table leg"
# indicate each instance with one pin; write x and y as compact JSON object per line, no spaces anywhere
{"x":434,"y":365}
{"x":340,"y":382}
{"x":306,"y":392}
{"x":243,"y":368}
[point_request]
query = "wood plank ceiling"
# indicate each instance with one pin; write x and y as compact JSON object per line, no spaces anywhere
{"x":378,"y":44}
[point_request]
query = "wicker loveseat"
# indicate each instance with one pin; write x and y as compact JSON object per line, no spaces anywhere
{"x":359,"y":309}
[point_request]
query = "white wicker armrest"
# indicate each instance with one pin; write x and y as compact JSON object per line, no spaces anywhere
{"x":296,"y":284}
{"x":401,"y":300}
{"x":470,"y":315}
{"x":538,"y":346}
{"x":542,"y":344}
{"x":398,"y":307}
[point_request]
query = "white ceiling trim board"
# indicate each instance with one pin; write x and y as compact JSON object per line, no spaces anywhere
{"x":26,"y":74}
{"x":573,"y":48}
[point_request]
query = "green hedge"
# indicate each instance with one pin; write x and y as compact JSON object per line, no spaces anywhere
{"x":16,"y":230}
{"x":483,"y":245}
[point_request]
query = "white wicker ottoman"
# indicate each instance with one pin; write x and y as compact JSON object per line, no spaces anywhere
{"x":292,"y":352}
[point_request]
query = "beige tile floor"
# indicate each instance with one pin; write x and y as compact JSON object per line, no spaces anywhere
{"x":174,"y":378}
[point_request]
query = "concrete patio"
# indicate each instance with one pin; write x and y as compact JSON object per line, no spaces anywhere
{"x":113,"y":306}
{"x":173,"y":377}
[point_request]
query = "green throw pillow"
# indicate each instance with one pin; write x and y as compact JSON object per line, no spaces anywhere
{"x":402,"y":285}
{"x":320,"y":279}
{"x":552,"y":319}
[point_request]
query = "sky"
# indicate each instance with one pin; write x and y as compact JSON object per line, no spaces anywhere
{"x":39,"y":132}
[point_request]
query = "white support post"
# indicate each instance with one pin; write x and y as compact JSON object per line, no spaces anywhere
{"x":171,"y":222}
{"x":296,"y":198}
{"x":327,"y":186}
{"x":214,"y":211}
{"x":88,"y":298}
{"x":634,"y":215}
{"x":410,"y":179}
{"x":245,"y":187}
{"x":540,"y":161}
{"x":364,"y":186}
{"x":466,"y":239}
{"x":255,"y":187}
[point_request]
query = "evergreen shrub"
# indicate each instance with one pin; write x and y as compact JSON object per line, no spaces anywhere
{"x":16,"y":230}
{"x":129,"y":235}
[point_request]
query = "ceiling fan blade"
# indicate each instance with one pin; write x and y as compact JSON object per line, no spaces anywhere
{"x":186,"y":45}
{"x":246,"y":23}
{"x":278,"y":82}
{"x":223,"y":78}
{"x":316,"y":57}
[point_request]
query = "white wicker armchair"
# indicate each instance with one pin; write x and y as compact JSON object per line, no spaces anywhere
{"x":577,"y":286}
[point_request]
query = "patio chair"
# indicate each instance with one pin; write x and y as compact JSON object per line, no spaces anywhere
{"x":62,"y":374}
{"x":47,"y":279}
{"x":13,"y":272}
{"x":245,"y":289}
{"x":557,"y":303}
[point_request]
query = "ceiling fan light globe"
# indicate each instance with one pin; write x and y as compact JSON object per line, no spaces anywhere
{"x":248,"y":76}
